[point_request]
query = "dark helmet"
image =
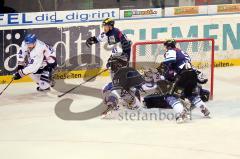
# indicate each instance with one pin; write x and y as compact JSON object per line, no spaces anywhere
{"x":170,"y":43}
{"x":30,"y":38}
{"x":108,"y":21}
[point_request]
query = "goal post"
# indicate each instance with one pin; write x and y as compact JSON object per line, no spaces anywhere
{"x":147,"y":54}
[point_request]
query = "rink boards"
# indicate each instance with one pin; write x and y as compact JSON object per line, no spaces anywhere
{"x":69,"y":40}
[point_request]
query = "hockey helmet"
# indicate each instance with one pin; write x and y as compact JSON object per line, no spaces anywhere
{"x":108,"y":21}
{"x":170,"y":43}
{"x":30,"y":38}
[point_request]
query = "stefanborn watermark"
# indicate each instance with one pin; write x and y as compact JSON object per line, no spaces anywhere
{"x":157,"y":115}
{"x":62,"y":107}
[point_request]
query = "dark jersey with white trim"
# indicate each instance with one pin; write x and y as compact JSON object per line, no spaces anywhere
{"x":115,"y":36}
{"x":176,"y":59}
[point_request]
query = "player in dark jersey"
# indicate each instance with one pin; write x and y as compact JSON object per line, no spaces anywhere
{"x":120,"y":57}
{"x":113,"y":36}
{"x":176,"y":61}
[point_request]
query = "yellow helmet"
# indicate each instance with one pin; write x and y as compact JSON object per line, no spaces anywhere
{"x":108,"y":21}
{"x":170,"y":43}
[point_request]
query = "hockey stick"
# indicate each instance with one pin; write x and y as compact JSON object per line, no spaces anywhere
{"x":6,"y":86}
{"x":82,"y":83}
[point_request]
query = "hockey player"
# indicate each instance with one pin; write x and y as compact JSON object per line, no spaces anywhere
{"x":41,"y":60}
{"x":123,"y":91}
{"x":176,"y":61}
{"x":113,"y":36}
{"x":121,"y":51}
{"x":121,"y":46}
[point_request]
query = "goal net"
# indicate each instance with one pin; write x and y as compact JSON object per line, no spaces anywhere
{"x":148,"y":54}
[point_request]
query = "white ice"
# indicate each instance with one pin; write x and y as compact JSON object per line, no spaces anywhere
{"x":29,"y":128}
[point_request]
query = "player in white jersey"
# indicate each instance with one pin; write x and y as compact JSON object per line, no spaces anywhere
{"x":37,"y":60}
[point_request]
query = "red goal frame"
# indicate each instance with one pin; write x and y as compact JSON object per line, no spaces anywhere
{"x":211,"y":40}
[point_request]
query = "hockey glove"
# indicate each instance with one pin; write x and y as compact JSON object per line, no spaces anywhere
{"x":109,"y":61}
{"x":201,"y":79}
{"x":18,"y":75}
{"x":20,"y":67}
{"x":91,"y":40}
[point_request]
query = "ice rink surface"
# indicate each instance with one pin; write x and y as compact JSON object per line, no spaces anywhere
{"x":30,"y":129}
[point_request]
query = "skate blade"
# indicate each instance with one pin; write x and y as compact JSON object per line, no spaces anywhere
{"x":182,"y":121}
{"x":207,"y":117}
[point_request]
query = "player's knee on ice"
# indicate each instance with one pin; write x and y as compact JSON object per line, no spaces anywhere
{"x":175,"y":104}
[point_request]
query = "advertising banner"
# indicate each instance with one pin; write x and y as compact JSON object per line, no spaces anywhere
{"x":141,"y":13}
{"x":69,"y":39}
{"x":69,"y":43}
{"x":186,"y":10}
{"x":228,"y":8}
{"x":73,"y":16}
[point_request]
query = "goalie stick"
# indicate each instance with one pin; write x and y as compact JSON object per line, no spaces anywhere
{"x":82,"y":83}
